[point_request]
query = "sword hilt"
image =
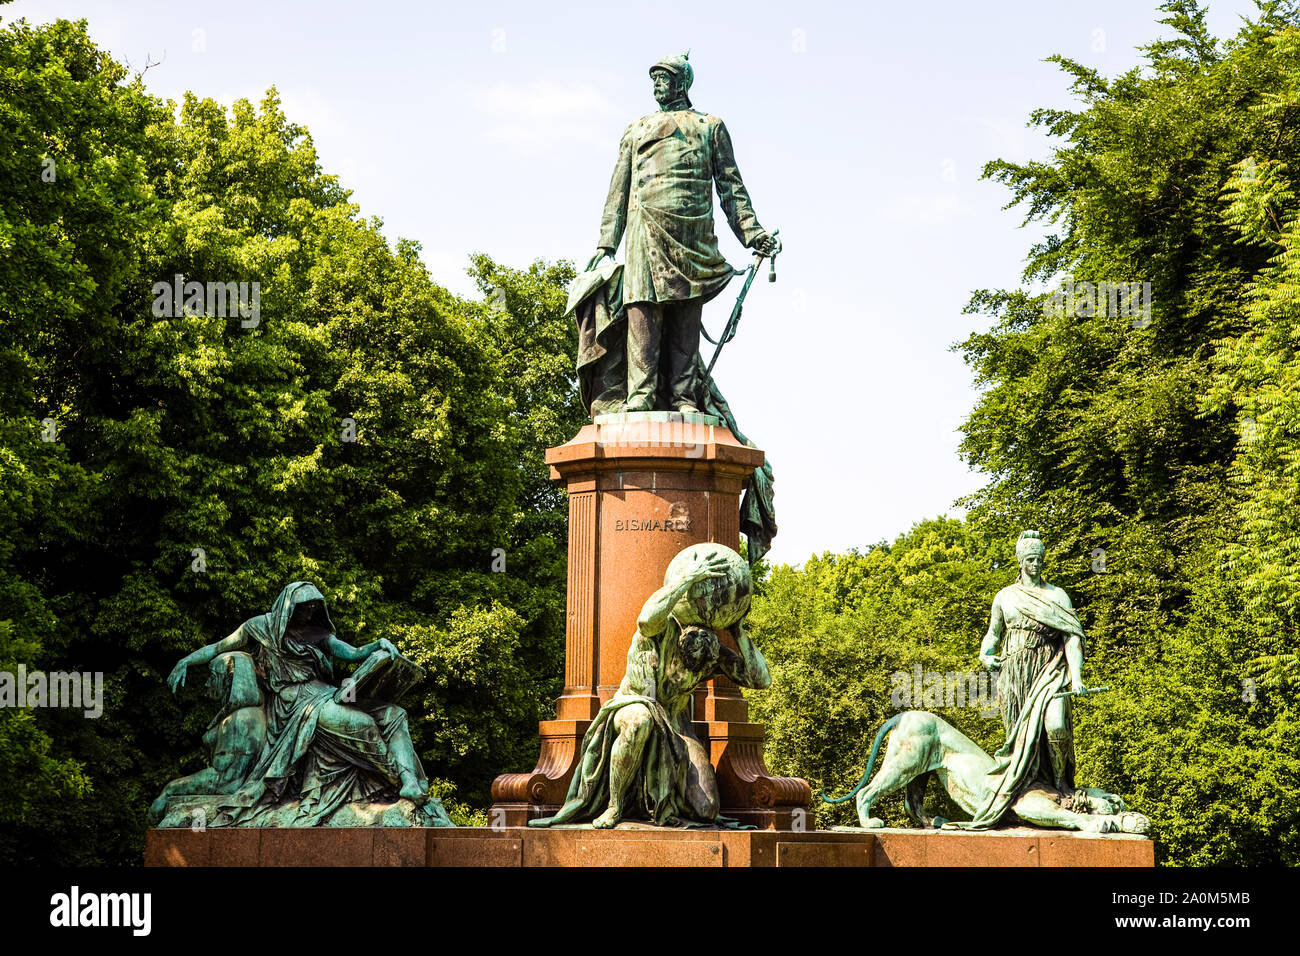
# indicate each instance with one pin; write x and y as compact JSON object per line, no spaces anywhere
{"x":771,"y":270}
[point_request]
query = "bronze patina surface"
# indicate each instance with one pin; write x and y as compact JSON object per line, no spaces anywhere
{"x":294,"y":746}
{"x":1035,"y":644}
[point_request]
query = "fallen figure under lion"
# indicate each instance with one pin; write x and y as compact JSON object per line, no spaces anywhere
{"x":923,"y":745}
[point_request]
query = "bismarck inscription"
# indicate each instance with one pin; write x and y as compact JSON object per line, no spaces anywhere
{"x":680,"y":525}
{"x":678,"y":520}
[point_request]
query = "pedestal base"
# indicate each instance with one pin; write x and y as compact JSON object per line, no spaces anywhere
{"x":642,"y":486}
{"x":630,"y":845}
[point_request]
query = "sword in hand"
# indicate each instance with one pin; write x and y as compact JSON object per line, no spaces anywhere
{"x":1080,"y":693}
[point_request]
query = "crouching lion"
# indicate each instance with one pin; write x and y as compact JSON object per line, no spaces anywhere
{"x":923,"y":745}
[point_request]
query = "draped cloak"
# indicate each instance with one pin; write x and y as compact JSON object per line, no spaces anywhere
{"x":324,"y":769}
{"x":1044,"y":673}
{"x":596,"y":303}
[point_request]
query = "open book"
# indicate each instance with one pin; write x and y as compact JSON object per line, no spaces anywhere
{"x":381,"y":676}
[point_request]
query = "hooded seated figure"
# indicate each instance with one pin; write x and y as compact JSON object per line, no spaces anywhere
{"x":330,"y":757}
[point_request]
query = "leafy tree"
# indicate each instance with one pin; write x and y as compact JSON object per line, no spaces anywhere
{"x":1155,"y":452}
{"x":1119,"y":435}
{"x":353,"y":424}
{"x":1258,"y":372}
{"x":77,"y":198}
{"x":844,"y":632}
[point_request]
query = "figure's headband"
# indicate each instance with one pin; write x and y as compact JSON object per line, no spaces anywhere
{"x":1029,"y":542}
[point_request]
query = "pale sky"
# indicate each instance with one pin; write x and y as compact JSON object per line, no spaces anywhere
{"x":860,"y":132}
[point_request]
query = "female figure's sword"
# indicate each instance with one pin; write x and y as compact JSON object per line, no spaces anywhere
{"x":1080,"y":693}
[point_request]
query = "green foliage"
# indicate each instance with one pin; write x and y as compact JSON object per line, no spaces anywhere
{"x":33,"y":778}
{"x":480,"y":708}
{"x":836,"y":631}
{"x":1258,"y":374}
{"x":363,"y":429}
{"x":1159,"y":458}
{"x":1121,"y":440}
{"x":461,"y":813}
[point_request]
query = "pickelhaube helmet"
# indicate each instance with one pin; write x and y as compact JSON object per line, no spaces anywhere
{"x":678,"y":65}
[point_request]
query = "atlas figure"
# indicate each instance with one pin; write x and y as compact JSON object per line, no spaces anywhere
{"x":640,"y":756}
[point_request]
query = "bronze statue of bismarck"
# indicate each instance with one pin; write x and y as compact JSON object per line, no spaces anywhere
{"x":661,"y":201}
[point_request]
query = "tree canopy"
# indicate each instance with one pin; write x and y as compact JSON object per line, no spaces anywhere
{"x":164,"y":475}
{"x":1156,"y":452}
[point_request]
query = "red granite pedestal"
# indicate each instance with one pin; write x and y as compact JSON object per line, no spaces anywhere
{"x":525,"y":846}
{"x":641,"y":488}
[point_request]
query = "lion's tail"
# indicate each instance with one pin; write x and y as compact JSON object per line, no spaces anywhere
{"x":890,"y":724}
